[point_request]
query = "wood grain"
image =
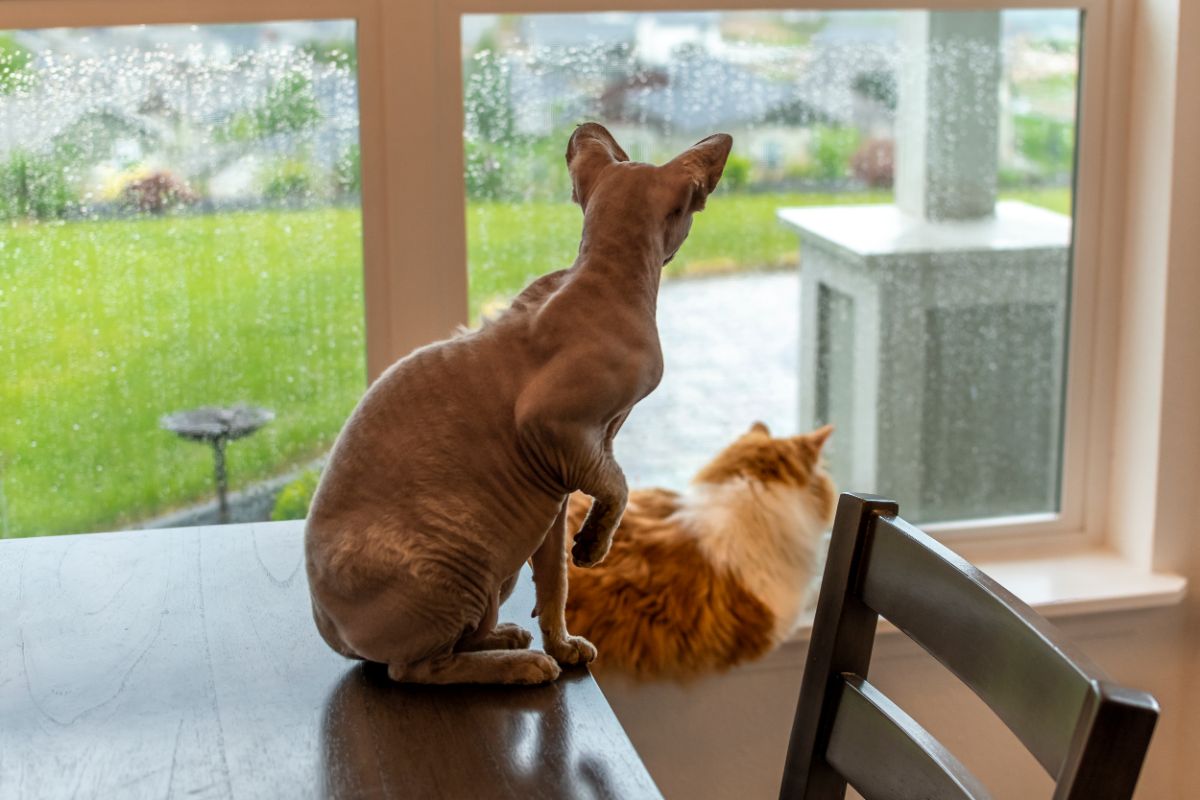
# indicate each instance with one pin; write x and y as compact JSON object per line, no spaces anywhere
{"x":184,"y":663}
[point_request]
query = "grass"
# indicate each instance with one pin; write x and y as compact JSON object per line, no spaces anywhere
{"x":509,"y":244}
{"x":106,"y":326}
{"x":109,"y":325}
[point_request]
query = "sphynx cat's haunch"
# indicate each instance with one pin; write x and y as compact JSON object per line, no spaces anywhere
{"x":455,"y":468}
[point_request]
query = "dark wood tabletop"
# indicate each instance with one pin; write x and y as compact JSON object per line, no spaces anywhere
{"x":184,"y":663}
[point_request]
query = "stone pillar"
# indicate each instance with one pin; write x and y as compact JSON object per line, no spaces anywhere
{"x":947,"y":116}
{"x":933,"y":331}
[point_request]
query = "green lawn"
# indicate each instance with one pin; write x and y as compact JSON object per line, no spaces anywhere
{"x":510,"y":244}
{"x":106,"y":326}
{"x":109,"y":325}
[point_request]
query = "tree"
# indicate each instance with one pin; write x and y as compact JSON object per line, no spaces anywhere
{"x":343,"y":54}
{"x":15,"y":64}
{"x":289,"y":107}
{"x":487,"y":104}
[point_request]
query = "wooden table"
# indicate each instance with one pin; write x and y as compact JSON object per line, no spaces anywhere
{"x":184,"y":663}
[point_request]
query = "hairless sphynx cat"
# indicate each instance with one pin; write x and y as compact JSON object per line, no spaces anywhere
{"x":455,"y":468}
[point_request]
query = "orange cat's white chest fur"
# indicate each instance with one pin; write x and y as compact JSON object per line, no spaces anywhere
{"x":763,"y":535}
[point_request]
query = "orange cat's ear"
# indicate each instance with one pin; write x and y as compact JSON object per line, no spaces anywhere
{"x":820,"y":436}
{"x":760,"y":427}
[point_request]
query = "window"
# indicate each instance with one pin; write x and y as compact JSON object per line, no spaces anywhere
{"x":924,"y":161}
{"x":420,"y":216}
{"x":179,"y":229}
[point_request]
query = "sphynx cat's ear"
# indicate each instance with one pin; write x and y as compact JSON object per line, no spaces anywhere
{"x":590,"y":149}
{"x":703,"y":164}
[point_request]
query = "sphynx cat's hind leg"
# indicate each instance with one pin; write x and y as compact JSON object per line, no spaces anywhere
{"x":484,"y":666}
{"x":492,"y":636}
{"x":550,"y":582}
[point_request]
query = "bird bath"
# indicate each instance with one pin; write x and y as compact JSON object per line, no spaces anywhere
{"x":218,"y":426}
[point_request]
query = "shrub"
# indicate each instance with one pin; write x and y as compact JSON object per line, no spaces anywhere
{"x":288,"y":179}
{"x":343,"y":54}
{"x":874,"y":163}
{"x":293,"y":499}
{"x":877,"y":85}
{"x":289,"y":107}
{"x":737,"y":173}
{"x":157,"y":192}
{"x":347,"y":172}
{"x":34,"y":186}
{"x":485,"y":178}
{"x":831,"y":150}
{"x":15,"y":65}
{"x":1047,"y":143}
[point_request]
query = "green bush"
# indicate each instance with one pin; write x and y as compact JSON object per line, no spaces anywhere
{"x":342,"y":54}
{"x":34,"y":186}
{"x":484,"y":176}
{"x":347,"y":172}
{"x":15,"y":65}
{"x":737,"y":173}
{"x":831,"y":150}
{"x":288,"y":179}
{"x":1047,"y":143}
{"x":293,"y":499}
{"x":289,"y":107}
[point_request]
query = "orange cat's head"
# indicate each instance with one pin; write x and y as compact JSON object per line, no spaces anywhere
{"x":793,"y":461}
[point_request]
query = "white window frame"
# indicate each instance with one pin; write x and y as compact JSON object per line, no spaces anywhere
{"x":413,"y":199}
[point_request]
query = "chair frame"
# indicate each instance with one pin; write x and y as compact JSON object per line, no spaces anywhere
{"x":1088,"y":733}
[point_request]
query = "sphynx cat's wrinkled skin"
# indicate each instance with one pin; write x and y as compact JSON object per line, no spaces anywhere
{"x":456,"y":466}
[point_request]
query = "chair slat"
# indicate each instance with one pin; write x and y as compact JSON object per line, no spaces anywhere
{"x":886,"y":754}
{"x":1009,"y":656}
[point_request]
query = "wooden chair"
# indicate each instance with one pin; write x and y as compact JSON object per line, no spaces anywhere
{"x":1088,"y":733}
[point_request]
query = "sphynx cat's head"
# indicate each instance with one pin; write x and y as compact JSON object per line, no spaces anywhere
{"x":626,"y":203}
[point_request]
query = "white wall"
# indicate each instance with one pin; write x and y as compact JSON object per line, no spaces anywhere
{"x":726,"y":737}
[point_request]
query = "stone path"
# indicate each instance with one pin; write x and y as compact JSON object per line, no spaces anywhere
{"x":730,"y":351}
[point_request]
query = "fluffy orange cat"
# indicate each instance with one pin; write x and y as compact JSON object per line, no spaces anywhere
{"x":716,"y":575}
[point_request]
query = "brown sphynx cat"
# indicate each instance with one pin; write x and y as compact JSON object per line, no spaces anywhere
{"x":456,"y":466}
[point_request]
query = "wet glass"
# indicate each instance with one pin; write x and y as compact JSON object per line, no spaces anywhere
{"x":180,"y":229}
{"x":885,"y":304}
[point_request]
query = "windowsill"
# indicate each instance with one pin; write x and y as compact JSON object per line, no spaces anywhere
{"x":1077,"y":584}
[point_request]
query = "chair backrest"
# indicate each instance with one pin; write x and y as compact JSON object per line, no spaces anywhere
{"x":1089,"y":734}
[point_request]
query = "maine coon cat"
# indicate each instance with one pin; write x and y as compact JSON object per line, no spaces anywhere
{"x":456,"y":466}
{"x":713,"y":576}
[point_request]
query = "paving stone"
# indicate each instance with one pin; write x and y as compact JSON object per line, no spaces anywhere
{"x":730,"y":349}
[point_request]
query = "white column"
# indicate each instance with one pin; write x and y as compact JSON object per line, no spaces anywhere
{"x":947,"y":116}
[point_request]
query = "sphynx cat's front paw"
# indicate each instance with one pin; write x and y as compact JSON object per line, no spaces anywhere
{"x":589,"y":549}
{"x":570,"y":650}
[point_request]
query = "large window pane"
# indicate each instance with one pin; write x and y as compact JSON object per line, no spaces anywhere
{"x":179,"y":229}
{"x":888,"y":251}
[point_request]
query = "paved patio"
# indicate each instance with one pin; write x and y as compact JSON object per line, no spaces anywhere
{"x":730,"y":346}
